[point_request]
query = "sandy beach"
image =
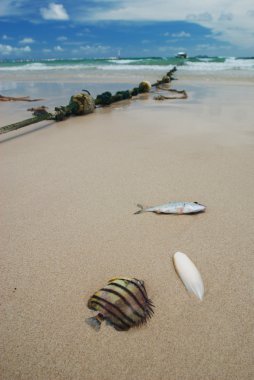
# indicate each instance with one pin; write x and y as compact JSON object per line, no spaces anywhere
{"x":68,"y":195}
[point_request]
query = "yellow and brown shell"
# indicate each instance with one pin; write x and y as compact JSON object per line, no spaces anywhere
{"x":123,"y":303}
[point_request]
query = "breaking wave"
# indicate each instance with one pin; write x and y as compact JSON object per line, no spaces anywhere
{"x":195,"y":64}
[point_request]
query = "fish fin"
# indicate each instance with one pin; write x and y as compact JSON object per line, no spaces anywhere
{"x":94,"y":322}
{"x":141,"y":209}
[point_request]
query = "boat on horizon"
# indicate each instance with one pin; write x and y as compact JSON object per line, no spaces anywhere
{"x":181,"y":54}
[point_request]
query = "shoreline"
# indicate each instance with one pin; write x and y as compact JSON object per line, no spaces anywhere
{"x":68,"y":194}
{"x":59,"y":91}
{"x":124,"y":76}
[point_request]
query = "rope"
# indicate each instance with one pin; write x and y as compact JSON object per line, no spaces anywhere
{"x":83,"y":103}
{"x":24,"y":123}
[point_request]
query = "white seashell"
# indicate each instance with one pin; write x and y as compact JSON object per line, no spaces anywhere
{"x":189,"y":274}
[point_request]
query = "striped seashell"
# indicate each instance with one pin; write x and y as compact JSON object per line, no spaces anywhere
{"x":123,"y":303}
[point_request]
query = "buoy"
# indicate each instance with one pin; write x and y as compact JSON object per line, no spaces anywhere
{"x":144,"y":86}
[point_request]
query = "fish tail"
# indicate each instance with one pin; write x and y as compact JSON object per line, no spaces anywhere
{"x":94,"y":322}
{"x":141,"y":209}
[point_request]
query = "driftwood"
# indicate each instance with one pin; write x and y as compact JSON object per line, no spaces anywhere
{"x":38,"y":111}
{"x":183,"y":95}
{"x":17,"y":99}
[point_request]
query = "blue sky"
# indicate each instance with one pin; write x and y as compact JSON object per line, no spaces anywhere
{"x":100,"y":28}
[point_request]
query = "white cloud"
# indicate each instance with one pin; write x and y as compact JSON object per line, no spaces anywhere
{"x":227,"y":16}
{"x":181,"y":35}
{"x":54,"y":12}
{"x":8,"y":49}
{"x":26,"y":49}
{"x":92,"y":49}
{"x":250,"y":13}
{"x":5,"y":37}
{"x":58,"y":48}
{"x":46,"y":50}
{"x":62,"y":38}
{"x":210,"y":49}
{"x":5,"y":49}
{"x":200,"y":17}
{"x":27,"y":40}
{"x":11,"y":7}
{"x":233,"y":26}
{"x":74,"y":43}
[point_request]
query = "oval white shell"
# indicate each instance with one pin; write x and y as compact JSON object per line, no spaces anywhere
{"x":189,"y":274}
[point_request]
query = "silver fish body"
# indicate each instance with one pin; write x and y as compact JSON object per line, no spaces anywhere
{"x":174,"y":208}
{"x":122,"y":303}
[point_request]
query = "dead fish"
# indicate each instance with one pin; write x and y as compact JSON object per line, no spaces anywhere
{"x":189,"y":274}
{"x":174,"y":208}
{"x":123,"y":303}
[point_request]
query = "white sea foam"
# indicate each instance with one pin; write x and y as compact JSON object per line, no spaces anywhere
{"x":196,"y":65}
{"x":135,"y":67}
{"x":123,"y":61}
{"x":37,"y":66}
{"x":228,"y":64}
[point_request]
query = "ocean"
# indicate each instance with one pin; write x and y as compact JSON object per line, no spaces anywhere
{"x":199,"y":63}
{"x":125,"y":70}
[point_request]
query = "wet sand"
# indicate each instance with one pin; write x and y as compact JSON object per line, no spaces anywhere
{"x":68,"y":194}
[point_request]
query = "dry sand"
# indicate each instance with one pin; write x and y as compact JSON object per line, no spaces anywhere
{"x":68,"y":194}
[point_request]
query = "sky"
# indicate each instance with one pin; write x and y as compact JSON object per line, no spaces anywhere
{"x":42,"y":29}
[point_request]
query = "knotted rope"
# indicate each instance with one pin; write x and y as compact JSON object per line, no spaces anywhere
{"x":83,"y":103}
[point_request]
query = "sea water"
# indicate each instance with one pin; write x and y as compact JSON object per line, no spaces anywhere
{"x":74,"y":68}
